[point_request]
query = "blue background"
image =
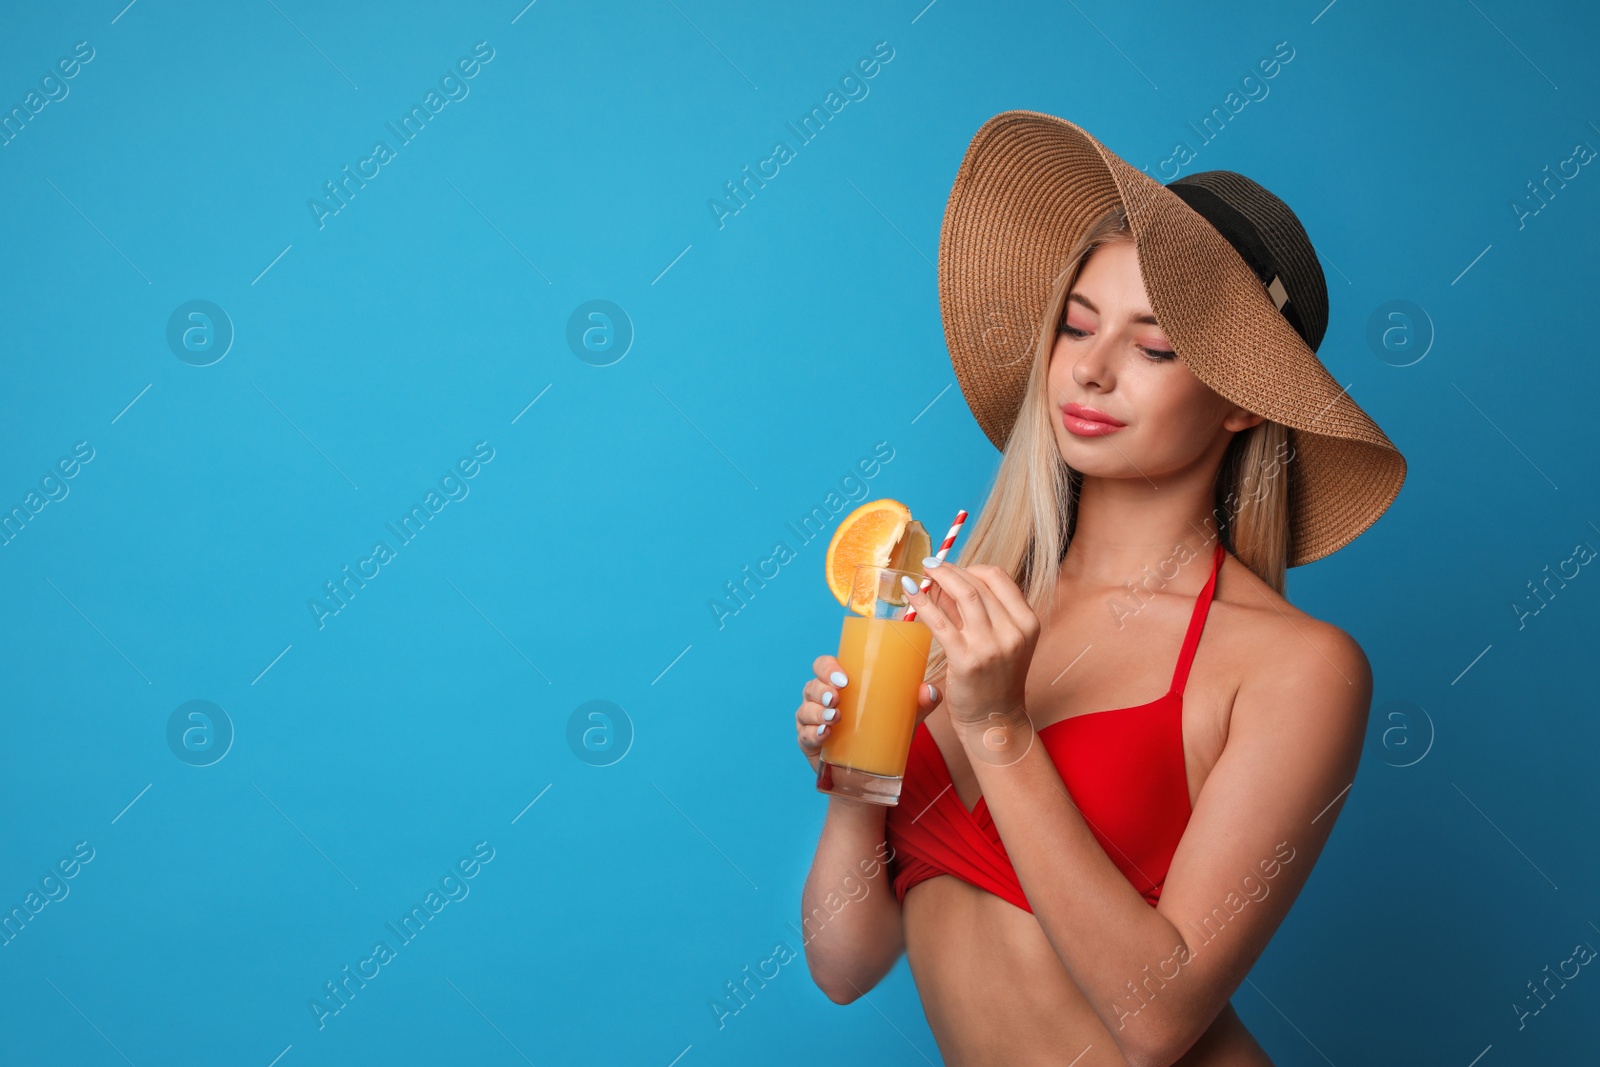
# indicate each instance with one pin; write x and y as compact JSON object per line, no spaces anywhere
{"x":769,"y":354}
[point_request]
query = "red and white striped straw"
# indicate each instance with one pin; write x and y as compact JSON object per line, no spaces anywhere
{"x":944,"y":549}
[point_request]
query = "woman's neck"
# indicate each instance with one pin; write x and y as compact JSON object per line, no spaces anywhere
{"x":1125,"y":528}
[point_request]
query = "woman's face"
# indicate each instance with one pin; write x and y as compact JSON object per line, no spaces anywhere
{"x":1110,"y":355}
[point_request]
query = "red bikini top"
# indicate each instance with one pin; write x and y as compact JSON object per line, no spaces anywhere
{"x":1123,"y":768}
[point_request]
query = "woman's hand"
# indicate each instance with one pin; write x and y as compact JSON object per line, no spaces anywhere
{"x":988,"y":633}
{"x":819,"y":706}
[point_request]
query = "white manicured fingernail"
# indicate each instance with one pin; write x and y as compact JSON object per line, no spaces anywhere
{"x":933,"y":693}
{"x":827,"y":699}
{"x":821,"y":731}
{"x":838,"y":678}
{"x":908,"y":585}
{"x":930,"y":562}
{"x":831,"y":714}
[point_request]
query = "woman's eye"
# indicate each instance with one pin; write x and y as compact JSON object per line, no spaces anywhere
{"x":1155,"y":355}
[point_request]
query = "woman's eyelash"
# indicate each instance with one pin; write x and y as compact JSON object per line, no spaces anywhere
{"x":1157,"y":355}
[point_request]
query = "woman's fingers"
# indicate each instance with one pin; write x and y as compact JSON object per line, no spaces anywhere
{"x":972,"y":598}
{"x":998,"y":615}
{"x":1005,"y":630}
{"x":931,"y":610}
{"x":819,"y":705}
{"x":829,"y":672}
{"x":824,"y":688}
{"x":826,"y":666}
{"x":824,"y":699}
{"x":1005,"y":592}
{"x":812,"y":723}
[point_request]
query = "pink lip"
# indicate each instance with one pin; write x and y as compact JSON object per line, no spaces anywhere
{"x":1088,"y":422}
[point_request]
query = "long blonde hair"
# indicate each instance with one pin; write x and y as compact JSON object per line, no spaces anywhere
{"x":1027,"y":521}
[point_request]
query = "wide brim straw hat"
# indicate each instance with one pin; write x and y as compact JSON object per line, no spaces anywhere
{"x":1230,"y":274}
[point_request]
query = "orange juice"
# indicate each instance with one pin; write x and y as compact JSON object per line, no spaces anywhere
{"x":884,"y":660}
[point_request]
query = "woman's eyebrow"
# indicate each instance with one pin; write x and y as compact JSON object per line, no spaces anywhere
{"x":1086,"y":302}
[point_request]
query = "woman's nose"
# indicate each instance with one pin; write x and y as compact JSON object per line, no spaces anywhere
{"x":1091,"y":366}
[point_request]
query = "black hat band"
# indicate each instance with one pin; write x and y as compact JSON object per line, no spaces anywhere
{"x":1242,"y":235}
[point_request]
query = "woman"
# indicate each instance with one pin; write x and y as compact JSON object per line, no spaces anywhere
{"x":1071,"y":884}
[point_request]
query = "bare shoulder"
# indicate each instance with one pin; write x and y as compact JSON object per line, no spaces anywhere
{"x":1289,"y":653}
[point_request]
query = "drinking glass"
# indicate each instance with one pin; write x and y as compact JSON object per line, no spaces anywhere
{"x":884,"y":657}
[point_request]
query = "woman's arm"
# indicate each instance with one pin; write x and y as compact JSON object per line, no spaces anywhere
{"x":1157,"y":977}
{"x":848,"y":911}
{"x":849,"y":915}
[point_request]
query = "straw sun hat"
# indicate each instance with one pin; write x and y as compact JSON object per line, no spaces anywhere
{"x":1230,"y":274}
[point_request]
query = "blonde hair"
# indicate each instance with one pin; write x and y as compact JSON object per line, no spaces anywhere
{"x":1028,"y":518}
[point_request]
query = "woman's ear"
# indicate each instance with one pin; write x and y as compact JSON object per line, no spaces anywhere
{"x":1240,"y":419}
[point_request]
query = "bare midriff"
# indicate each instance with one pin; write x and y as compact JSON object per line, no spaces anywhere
{"x":994,"y":991}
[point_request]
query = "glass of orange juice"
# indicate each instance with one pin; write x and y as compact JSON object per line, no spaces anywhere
{"x":884,"y":657}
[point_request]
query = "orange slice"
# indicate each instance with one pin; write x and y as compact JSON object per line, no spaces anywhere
{"x":914,"y":547}
{"x":869,"y":534}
